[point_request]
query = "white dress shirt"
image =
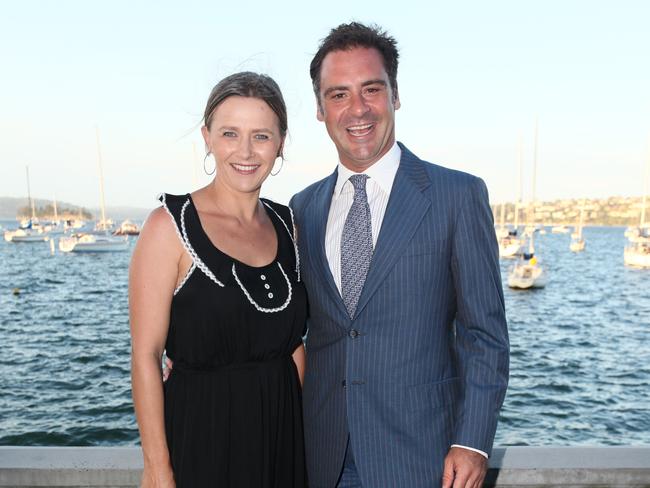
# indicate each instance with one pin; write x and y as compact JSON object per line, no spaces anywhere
{"x":380,"y":181}
{"x":381,"y":176}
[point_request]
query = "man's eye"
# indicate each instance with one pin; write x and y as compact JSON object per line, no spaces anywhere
{"x":261,"y":137}
{"x":229,"y":133}
{"x":338,"y":96}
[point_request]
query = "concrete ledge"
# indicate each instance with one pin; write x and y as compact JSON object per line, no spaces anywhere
{"x":120,"y":467}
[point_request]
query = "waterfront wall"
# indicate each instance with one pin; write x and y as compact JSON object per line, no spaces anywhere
{"x":120,"y":467}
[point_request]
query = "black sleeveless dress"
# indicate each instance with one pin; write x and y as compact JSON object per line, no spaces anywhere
{"x":233,"y":412}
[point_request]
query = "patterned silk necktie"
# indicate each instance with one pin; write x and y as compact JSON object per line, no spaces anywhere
{"x":356,"y":245}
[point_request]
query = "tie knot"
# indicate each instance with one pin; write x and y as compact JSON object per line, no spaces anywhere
{"x":359,"y":183}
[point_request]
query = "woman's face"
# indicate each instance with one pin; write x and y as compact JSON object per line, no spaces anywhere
{"x":244,"y":138}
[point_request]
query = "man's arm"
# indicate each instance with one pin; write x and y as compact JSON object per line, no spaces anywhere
{"x":482,"y":347}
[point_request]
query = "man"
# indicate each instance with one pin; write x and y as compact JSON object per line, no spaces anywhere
{"x":407,"y":349}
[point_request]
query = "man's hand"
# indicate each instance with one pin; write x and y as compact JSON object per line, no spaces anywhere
{"x":464,"y":469}
{"x":167,"y":369}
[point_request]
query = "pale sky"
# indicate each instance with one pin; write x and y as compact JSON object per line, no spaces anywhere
{"x":473,"y":77}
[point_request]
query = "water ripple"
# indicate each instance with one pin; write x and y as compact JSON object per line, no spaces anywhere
{"x":580,"y":364}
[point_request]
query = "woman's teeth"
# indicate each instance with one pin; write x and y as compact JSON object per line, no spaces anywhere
{"x":246,"y":168}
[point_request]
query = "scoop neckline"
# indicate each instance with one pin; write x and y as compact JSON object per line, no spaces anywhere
{"x":235,"y":260}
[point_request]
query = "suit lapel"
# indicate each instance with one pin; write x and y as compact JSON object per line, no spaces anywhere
{"x":320,"y":211}
{"x":405,"y":210}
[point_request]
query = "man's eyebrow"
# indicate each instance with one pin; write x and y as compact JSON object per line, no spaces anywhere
{"x":374,"y":82}
{"x":335,"y":88}
{"x":331,"y":89}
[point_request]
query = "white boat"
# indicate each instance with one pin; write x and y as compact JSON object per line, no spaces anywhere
{"x":93,"y":243}
{"x":527,"y":274}
{"x":637,"y":253}
{"x":577,"y":241}
{"x":501,"y":232}
{"x":559,"y":229}
{"x":127,"y":228}
{"x":510,"y":243}
{"x":30,"y":230}
{"x":26,"y":235}
{"x":510,"y":246}
{"x":577,"y":245}
{"x":100,"y":240}
{"x":527,"y":271}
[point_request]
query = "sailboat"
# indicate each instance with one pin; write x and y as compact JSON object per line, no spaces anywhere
{"x":560,"y":229}
{"x":637,"y":252}
{"x":510,"y":244}
{"x":54,"y":227}
{"x":100,"y":240}
{"x":30,"y":229}
{"x":528,"y":272}
{"x":577,"y":241}
{"x":502,"y":230}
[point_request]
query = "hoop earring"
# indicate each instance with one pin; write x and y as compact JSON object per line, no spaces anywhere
{"x":278,"y":171}
{"x":205,"y":169}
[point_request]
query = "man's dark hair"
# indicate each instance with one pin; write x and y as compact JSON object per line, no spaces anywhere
{"x":355,"y":34}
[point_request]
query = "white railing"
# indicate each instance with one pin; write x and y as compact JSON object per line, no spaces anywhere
{"x":509,"y":467}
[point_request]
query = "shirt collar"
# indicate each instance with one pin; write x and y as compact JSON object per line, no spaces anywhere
{"x":382,"y":172}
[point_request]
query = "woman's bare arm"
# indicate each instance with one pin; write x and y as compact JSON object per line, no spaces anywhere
{"x":299,"y":358}
{"x":153,"y":275}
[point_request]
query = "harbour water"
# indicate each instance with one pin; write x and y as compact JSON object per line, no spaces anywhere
{"x":580,"y":361}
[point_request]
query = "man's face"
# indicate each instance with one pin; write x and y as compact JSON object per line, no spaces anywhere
{"x":357,"y":106}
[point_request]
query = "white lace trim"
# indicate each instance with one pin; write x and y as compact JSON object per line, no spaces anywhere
{"x":254,"y":303}
{"x":295,"y":243}
{"x":163,"y":200}
{"x":197,"y":260}
{"x":291,"y":236}
{"x":187,"y":277}
{"x":198,"y":263}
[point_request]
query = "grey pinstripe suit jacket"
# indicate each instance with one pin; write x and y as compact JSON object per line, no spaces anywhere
{"x":424,"y":364}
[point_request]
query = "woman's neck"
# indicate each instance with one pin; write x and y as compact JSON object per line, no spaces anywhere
{"x":242,"y":206}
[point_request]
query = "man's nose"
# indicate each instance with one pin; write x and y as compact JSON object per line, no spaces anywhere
{"x":359,"y":106}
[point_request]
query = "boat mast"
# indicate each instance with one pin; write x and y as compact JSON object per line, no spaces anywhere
{"x":29,"y":194}
{"x":582,"y":213}
{"x":531,"y":245}
{"x":56,"y":213}
{"x":101,"y":179}
{"x":521,"y":183}
{"x":645,"y":194}
{"x":534,"y":174}
{"x":503,"y":214}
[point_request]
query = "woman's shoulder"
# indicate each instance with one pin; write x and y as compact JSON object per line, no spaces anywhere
{"x":171,"y":200}
{"x":283,"y":211}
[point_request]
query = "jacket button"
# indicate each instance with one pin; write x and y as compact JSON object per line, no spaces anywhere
{"x":354,"y":334}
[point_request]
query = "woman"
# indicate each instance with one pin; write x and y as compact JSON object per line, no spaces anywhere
{"x":215,"y":282}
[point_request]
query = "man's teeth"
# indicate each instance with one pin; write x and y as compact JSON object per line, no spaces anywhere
{"x":356,"y":128}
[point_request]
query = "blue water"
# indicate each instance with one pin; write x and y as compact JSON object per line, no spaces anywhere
{"x":580,"y":366}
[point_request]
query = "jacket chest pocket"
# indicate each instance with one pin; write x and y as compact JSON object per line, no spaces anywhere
{"x":423,"y":247}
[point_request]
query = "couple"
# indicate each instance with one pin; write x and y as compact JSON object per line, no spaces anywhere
{"x":406,"y":360}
